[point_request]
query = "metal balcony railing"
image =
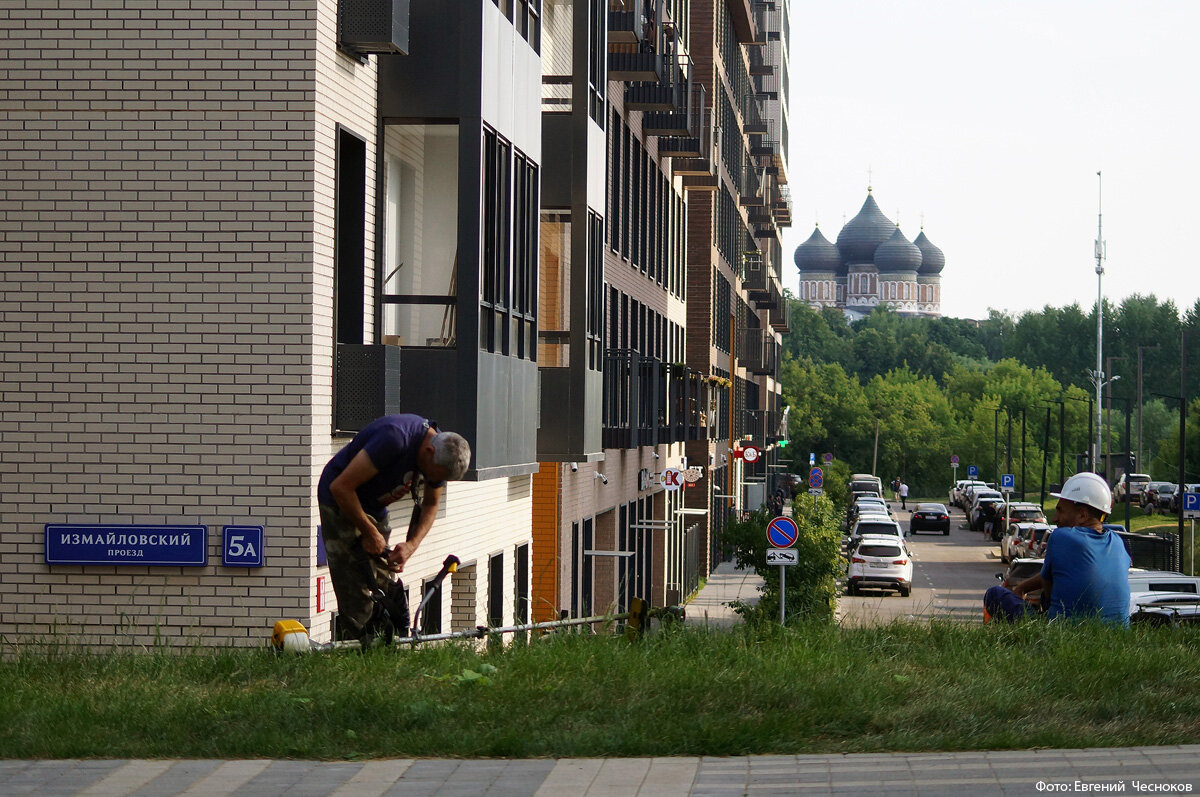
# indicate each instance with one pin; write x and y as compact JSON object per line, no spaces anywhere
{"x":648,"y":402}
{"x":779,"y":316}
{"x":627,"y":21}
{"x":750,"y":185}
{"x":760,"y":351}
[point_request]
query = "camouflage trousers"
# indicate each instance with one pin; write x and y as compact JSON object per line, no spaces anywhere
{"x":354,"y":573}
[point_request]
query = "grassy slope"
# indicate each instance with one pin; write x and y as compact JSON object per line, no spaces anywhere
{"x":904,"y":687}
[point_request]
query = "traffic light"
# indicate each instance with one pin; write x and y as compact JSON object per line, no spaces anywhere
{"x":783,"y":443}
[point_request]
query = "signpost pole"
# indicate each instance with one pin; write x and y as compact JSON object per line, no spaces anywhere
{"x":782,"y":592}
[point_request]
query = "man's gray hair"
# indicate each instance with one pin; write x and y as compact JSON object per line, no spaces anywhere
{"x":452,"y":452}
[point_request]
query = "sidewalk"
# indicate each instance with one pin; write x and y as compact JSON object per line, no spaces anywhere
{"x":726,"y":583}
{"x":1130,"y":770}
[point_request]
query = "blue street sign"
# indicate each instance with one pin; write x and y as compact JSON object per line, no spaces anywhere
{"x":782,"y":532}
{"x":828,"y":457}
{"x":816,"y":477}
{"x":954,"y":459}
{"x":242,"y":546}
{"x":1191,"y":504}
{"x":1007,"y":481}
{"x":84,"y":544}
{"x":972,"y":471}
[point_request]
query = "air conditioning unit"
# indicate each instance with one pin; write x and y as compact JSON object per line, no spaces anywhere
{"x":373,"y":26}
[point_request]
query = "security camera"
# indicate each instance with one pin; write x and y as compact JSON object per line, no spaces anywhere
{"x":603,"y":479}
{"x":656,"y":456}
{"x":574,"y":467}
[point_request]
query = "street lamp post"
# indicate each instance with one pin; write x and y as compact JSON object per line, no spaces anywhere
{"x":1108,"y":361}
{"x":1098,"y":375}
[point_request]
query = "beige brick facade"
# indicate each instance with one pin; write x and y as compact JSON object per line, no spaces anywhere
{"x":166,"y":311}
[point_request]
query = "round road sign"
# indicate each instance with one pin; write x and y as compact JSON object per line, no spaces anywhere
{"x":827,"y":458}
{"x":816,"y":478}
{"x":751,"y":454}
{"x":954,"y":459}
{"x":782,"y":532}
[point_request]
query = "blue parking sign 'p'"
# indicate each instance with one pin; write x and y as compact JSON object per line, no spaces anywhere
{"x":972,"y":471}
{"x":1007,"y":481}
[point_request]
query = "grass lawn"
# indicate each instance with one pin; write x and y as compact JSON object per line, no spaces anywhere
{"x":681,"y":691}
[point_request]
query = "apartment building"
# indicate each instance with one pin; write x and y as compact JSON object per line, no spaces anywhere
{"x":235,"y":232}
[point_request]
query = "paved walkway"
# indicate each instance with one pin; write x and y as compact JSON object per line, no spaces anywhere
{"x":726,"y":583}
{"x":1127,"y":770}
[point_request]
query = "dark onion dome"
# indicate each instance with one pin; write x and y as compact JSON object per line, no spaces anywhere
{"x":863,"y":234}
{"x":932,"y":259}
{"x":817,"y":255}
{"x":897,"y":254}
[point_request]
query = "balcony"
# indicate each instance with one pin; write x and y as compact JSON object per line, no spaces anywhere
{"x":685,"y":122}
{"x":671,"y":93}
{"x":648,"y":402}
{"x":760,"y":352}
{"x":779,"y":315}
{"x":755,"y":277}
{"x":633,"y":65}
{"x":626,"y":21}
{"x":750,"y":187}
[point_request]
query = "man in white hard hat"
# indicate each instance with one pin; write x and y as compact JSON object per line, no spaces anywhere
{"x":1086,"y":570}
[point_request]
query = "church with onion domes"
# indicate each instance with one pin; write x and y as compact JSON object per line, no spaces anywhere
{"x":872,"y":264}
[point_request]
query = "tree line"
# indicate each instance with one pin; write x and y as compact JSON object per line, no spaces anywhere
{"x":1007,"y":394}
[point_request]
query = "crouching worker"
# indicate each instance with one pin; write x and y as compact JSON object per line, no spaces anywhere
{"x":392,"y":457}
{"x":1085,"y":574}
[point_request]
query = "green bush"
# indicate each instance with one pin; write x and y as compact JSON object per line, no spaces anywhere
{"x":810,"y":585}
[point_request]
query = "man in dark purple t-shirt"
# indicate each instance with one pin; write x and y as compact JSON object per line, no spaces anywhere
{"x":392,"y":457}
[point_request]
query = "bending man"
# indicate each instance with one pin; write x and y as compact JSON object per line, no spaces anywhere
{"x":392,"y":457}
{"x":1086,"y":570}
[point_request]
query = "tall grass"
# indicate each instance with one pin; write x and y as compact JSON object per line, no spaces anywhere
{"x":681,"y":691}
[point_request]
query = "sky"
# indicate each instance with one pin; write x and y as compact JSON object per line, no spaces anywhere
{"x":990,"y":121}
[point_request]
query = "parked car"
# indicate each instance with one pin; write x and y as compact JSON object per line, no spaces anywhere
{"x":1164,"y":608}
{"x":1176,"y":496}
{"x":1133,"y":483}
{"x":882,"y":562}
{"x":1029,"y":544}
{"x":874,"y":524}
{"x":986,"y":508}
{"x":1008,"y":542}
{"x":867,"y":481}
{"x":958,"y":493}
{"x":930,"y":517}
{"x":1017,"y":512}
{"x":1018,"y":571}
{"x":1142,"y":580}
{"x":1157,"y":495}
{"x":972,"y":492}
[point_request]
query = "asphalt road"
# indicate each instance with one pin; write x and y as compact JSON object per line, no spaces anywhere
{"x":950,"y":575}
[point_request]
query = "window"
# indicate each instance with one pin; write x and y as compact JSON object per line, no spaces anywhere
{"x":521,"y":585}
{"x":595,"y":292}
{"x":495,"y":617}
{"x":496,"y":265}
{"x":420,"y":235}
{"x":554,"y":292}
{"x":431,"y":615}
{"x":525,"y":255}
{"x":350,"y":220}
{"x":598,"y":60}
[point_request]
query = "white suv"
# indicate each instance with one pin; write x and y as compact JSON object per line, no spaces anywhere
{"x":881,"y":561}
{"x":875,"y":524}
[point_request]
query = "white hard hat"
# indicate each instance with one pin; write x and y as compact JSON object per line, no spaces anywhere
{"x":1087,"y":488}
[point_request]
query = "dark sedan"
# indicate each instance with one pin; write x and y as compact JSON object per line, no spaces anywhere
{"x":930,"y":517}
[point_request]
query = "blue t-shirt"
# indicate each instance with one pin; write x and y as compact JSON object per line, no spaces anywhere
{"x":1089,"y":573}
{"x":392,"y":443}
